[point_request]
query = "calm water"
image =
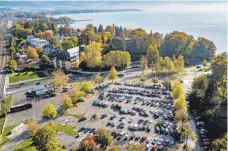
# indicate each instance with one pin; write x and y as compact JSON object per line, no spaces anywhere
{"x":205,"y":19}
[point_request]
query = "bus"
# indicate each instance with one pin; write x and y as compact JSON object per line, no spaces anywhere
{"x":20,"y":107}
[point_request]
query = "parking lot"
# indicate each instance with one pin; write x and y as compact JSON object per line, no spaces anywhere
{"x":131,"y":113}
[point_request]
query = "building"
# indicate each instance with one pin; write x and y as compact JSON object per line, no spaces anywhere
{"x":37,"y":42}
{"x":67,"y":59}
{"x":49,"y":50}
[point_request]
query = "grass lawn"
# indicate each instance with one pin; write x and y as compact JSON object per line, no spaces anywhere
{"x":67,"y":129}
{"x":75,"y":115}
{"x":14,"y":77}
{"x":2,"y":120}
{"x":25,"y":146}
{"x":9,"y":128}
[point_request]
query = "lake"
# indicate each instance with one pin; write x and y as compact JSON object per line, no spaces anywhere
{"x":204,"y":19}
{"x":200,"y":19}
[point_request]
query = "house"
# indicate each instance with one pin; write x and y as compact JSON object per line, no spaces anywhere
{"x":67,"y":58}
{"x":37,"y":42}
{"x":49,"y":50}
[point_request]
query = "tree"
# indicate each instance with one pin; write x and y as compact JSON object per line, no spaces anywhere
{"x":86,"y":87}
{"x":88,"y":143}
{"x":138,"y":34}
{"x":93,"y":55}
{"x":31,"y":52}
{"x":45,"y":139}
{"x":143,"y":63}
{"x":32,"y":128}
{"x":77,"y":95}
{"x":155,"y":80}
{"x":67,"y":102}
{"x":152,"y":54}
{"x":100,"y":29}
{"x":112,"y":74}
{"x":49,"y":111}
{"x":204,"y":63}
{"x":110,"y":29}
{"x":180,"y":103}
{"x":70,"y":42}
{"x":88,"y":35}
{"x":106,"y":37}
{"x":200,"y":82}
{"x":166,"y":84}
{"x":12,"y":50}
{"x":12,"y":64}
{"x":98,"y":79}
{"x":59,"y":78}
{"x":168,"y":64}
{"x":45,"y":58}
{"x":181,"y":115}
{"x":123,"y":44}
{"x":177,"y":90}
{"x":39,"y":50}
{"x":104,"y":137}
{"x":135,"y":147}
{"x":113,"y":148}
{"x":118,"y":59}
{"x":220,"y":144}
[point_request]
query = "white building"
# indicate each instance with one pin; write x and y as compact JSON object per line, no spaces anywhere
{"x":67,"y":59}
{"x":37,"y":42}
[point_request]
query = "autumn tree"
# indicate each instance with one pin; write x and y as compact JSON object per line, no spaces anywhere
{"x":32,"y":128}
{"x":155,"y":80}
{"x":104,"y":137}
{"x":45,"y":58}
{"x":67,"y":102}
{"x":138,"y":34}
{"x":118,"y":59}
{"x":98,"y":79}
{"x":13,"y":64}
{"x":180,"y":103}
{"x":31,"y":52}
{"x":77,"y":95}
{"x":49,"y":111}
{"x":110,"y":29}
{"x":177,"y":90}
{"x":181,"y":116}
{"x":88,"y":35}
{"x":113,"y":148}
{"x":39,"y":50}
{"x":88,"y":143}
{"x":152,"y":54}
{"x":143,"y":63}
{"x":200,"y":82}
{"x":86,"y":87}
{"x":112,"y":74}
{"x":93,"y":55}
{"x":135,"y":147}
{"x":106,"y":36}
{"x":59,"y":78}
{"x":70,"y":42}
{"x":45,"y":139}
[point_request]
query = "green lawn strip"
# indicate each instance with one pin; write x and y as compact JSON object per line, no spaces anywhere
{"x":2,"y":120}
{"x":75,"y":115}
{"x":14,"y":77}
{"x":25,"y":146}
{"x":9,"y":128}
{"x":67,"y":129}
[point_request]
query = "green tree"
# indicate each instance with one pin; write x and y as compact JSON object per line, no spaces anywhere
{"x":32,"y":128}
{"x":88,"y":35}
{"x":86,"y":87}
{"x":219,"y":144}
{"x":45,"y":139}
{"x":13,"y":64}
{"x":166,"y":83}
{"x":67,"y":102}
{"x":200,"y":82}
{"x":204,"y":63}
{"x":77,"y":95}
{"x":100,"y":29}
{"x":49,"y":111}
{"x":112,"y":74}
{"x":155,"y":80}
{"x":12,"y":50}
{"x":70,"y":42}
{"x":104,"y":137}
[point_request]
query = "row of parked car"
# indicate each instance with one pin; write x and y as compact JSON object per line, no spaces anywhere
{"x":204,"y":140}
{"x":100,"y":104}
{"x":148,"y":93}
